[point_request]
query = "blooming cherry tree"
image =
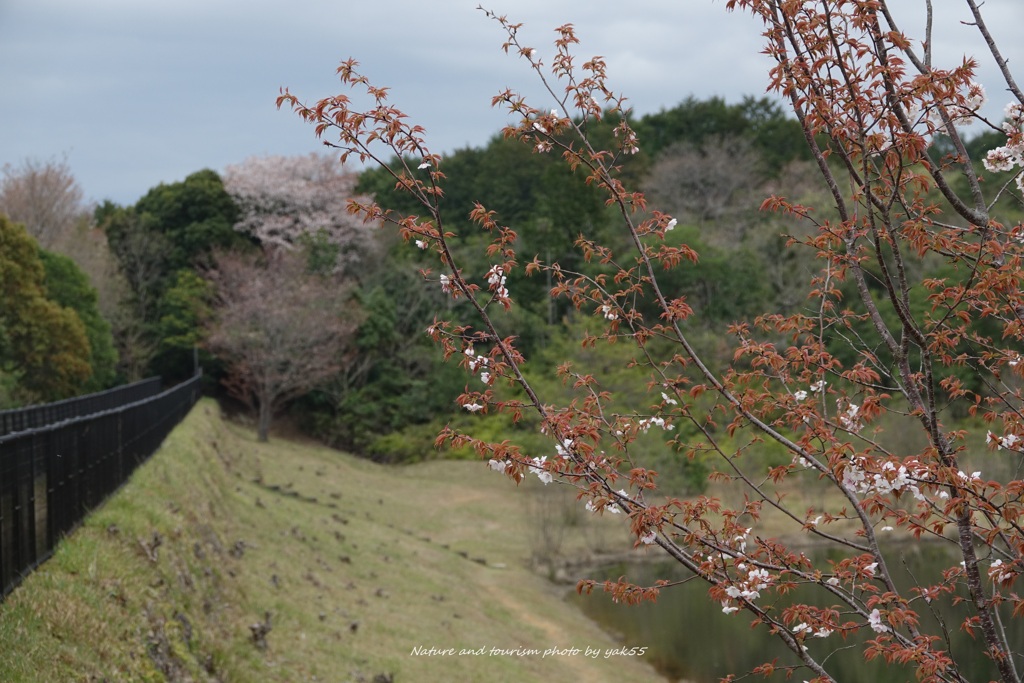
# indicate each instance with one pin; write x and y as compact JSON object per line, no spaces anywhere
{"x":283,"y":199}
{"x":279,"y":330}
{"x":871,"y":100}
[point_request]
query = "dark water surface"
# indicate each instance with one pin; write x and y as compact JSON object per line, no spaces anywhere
{"x":689,"y":638}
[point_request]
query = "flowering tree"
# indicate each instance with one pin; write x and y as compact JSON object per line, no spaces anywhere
{"x":280,"y":330}
{"x":283,"y":199}
{"x":912,"y":325}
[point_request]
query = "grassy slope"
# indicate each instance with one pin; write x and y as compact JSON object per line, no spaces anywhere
{"x":355,"y":563}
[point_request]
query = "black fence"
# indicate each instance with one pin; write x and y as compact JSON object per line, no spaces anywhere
{"x":51,"y":476}
{"x":32,"y":417}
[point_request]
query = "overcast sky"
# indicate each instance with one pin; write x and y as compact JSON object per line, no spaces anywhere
{"x":139,"y":92}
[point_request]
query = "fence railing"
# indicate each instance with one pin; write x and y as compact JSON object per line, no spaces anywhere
{"x":51,"y":476}
{"x":30,"y":417}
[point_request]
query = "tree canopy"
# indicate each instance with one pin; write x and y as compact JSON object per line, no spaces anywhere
{"x":69,"y":287}
{"x":44,"y":346}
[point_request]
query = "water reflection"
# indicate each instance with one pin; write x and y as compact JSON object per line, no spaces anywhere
{"x":690,"y":639}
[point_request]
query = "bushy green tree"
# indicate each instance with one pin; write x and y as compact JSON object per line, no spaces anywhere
{"x":174,"y":227}
{"x":183,"y":310}
{"x":43,"y":345}
{"x":69,"y":287}
{"x":195,"y":216}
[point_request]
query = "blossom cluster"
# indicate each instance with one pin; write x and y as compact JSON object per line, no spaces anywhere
{"x":875,"y":621}
{"x":609,"y":504}
{"x":850,"y":419}
{"x":1001,"y":573}
{"x":1010,"y":155}
{"x":629,"y":142}
{"x":890,"y":479}
{"x":564,"y":449}
{"x":805,"y":629}
{"x":496,"y":279}
{"x":478,"y":362}
{"x":537,"y":467}
{"x":645,"y":423}
{"x":747,"y":588}
{"x":1008,"y":442}
{"x":815,"y":388}
{"x":542,"y":144}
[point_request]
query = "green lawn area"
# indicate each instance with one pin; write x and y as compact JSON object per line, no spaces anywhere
{"x":356,"y":564}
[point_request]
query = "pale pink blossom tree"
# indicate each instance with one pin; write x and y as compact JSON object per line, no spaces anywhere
{"x":285,"y":199}
{"x":279,"y":330}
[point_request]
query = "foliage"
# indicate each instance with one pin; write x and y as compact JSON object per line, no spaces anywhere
{"x":183,"y":311}
{"x":42,"y":344}
{"x":763,"y":122}
{"x":392,"y":381}
{"x":783,"y":407}
{"x":69,"y":287}
{"x":174,"y":227}
{"x":195,"y":216}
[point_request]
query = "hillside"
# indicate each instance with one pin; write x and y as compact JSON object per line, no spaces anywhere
{"x":356,"y":565}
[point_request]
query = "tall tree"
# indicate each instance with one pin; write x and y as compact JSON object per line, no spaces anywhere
{"x":44,"y":197}
{"x":47,"y":199}
{"x":141,"y":253}
{"x":43,"y":345}
{"x":174,"y":227}
{"x":713,"y":180}
{"x":69,"y":287}
{"x":195,"y":216}
{"x":279,"y":330}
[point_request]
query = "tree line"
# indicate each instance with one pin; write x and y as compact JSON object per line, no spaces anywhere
{"x":290,"y":300}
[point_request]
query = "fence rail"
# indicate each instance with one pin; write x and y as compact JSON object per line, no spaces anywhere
{"x":51,"y":476}
{"x":31,"y":417}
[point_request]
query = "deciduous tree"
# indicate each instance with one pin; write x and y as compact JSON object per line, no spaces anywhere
{"x":869,"y":99}
{"x":715,"y":180}
{"x":44,"y":197}
{"x":279,"y":330}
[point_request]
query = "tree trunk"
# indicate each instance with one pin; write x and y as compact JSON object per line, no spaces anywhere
{"x":263,"y":425}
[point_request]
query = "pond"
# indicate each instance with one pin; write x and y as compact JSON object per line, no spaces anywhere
{"x":690,"y":639}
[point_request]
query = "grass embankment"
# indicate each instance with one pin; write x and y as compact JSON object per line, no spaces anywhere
{"x":355,"y":564}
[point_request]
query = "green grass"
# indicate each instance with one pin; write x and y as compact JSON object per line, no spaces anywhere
{"x":355,"y":563}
